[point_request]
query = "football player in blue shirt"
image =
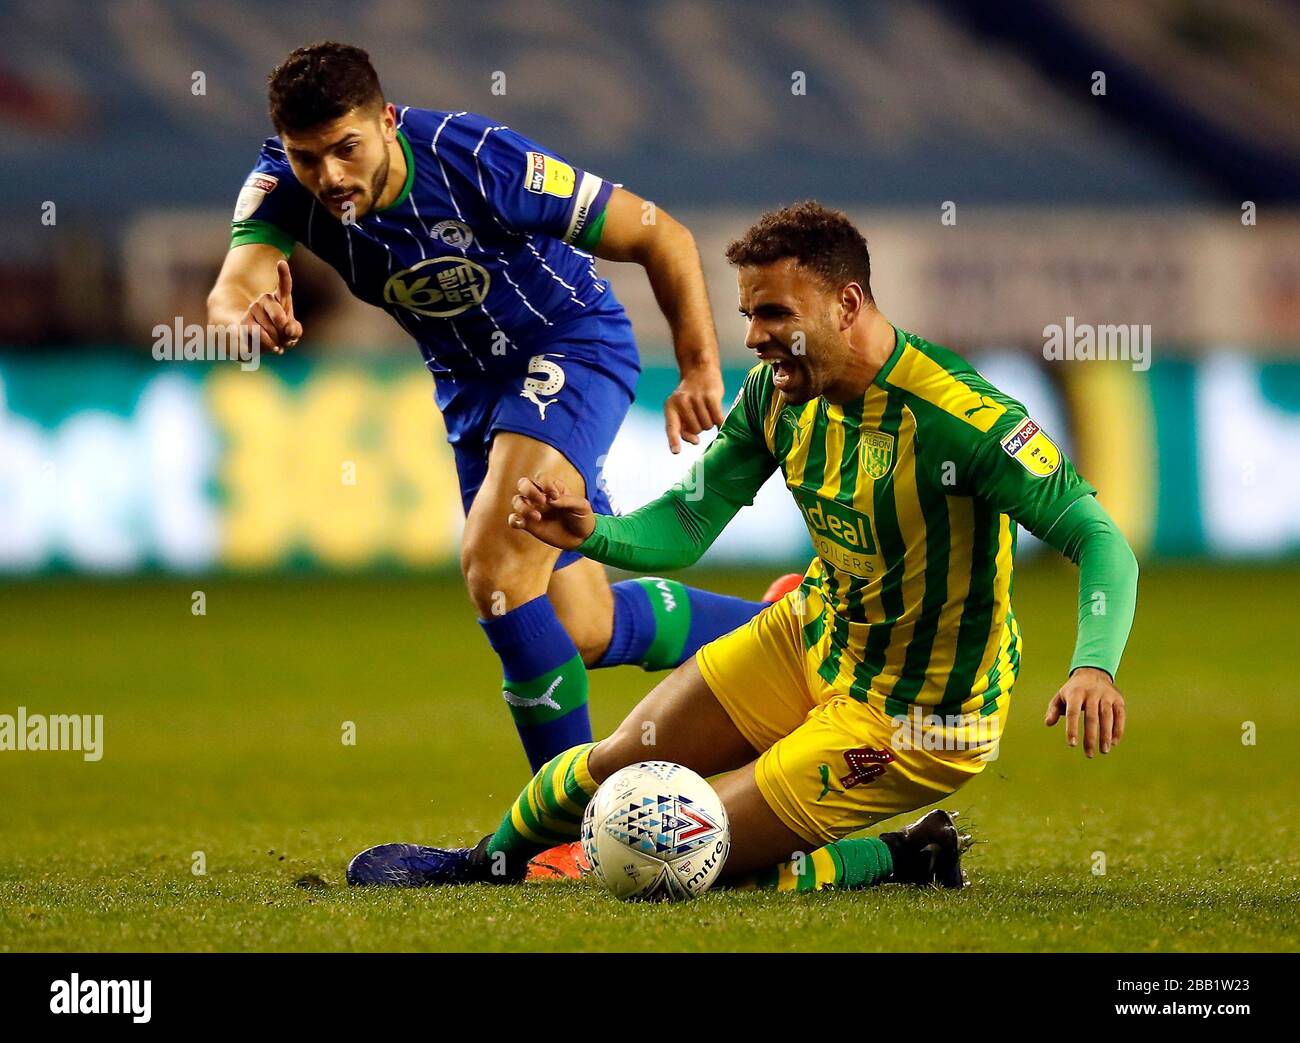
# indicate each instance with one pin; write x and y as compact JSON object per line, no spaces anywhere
{"x":479,"y":242}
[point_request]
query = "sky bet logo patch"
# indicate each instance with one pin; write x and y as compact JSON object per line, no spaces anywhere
{"x":1036,"y":452}
{"x":547,"y":176}
{"x":255,"y":189}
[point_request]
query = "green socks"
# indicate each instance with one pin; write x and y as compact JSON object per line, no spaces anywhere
{"x":844,"y":864}
{"x":548,"y":811}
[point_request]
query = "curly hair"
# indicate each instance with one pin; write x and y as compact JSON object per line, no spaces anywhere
{"x":320,"y":83}
{"x":820,"y":239}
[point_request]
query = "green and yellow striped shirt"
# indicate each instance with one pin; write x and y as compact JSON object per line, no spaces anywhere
{"x":911,"y":494}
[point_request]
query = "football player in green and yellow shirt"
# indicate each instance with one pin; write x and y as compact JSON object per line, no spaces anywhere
{"x":880,"y":684}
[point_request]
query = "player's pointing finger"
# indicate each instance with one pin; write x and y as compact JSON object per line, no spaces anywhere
{"x":285,"y":290}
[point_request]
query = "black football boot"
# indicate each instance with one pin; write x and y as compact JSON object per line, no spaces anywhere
{"x":928,"y":851}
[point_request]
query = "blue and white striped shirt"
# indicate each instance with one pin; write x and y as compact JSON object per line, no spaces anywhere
{"x":479,"y":258}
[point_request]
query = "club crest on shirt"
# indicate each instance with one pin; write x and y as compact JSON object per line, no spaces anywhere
{"x":255,"y":189}
{"x":1035,"y":452}
{"x":877,"y":451}
{"x":456,"y":234}
{"x":439,"y":287}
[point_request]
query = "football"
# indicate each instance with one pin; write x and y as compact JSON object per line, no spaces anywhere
{"x":657,"y":831}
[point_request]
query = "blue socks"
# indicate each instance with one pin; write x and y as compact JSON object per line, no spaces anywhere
{"x":660,"y":623}
{"x":545,"y":682}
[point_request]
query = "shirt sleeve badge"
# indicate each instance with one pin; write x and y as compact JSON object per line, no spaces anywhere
{"x":1034,"y":451}
{"x":549,"y":176}
{"x":251,"y":195}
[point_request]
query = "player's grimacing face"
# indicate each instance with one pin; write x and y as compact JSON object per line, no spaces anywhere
{"x":344,"y":163}
{"x":790,"y":326}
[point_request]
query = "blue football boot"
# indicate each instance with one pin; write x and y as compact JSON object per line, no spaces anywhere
{"x":413,"y":865}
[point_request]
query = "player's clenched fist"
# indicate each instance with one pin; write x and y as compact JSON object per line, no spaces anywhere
{"x":545,"y":508}
{"x":1091,"y":694}
{"x":270,"y":316}
{"x":694,"y":406}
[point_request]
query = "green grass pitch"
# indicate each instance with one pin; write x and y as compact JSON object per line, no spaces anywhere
{"x":223,"y":735}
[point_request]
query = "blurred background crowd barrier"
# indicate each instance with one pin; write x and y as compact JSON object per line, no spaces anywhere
{"x":1004,"y":189}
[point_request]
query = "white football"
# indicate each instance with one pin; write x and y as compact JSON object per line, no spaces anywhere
{"x":655,"y":830}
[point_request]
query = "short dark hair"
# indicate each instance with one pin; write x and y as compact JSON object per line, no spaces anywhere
{"x":820,"y":239}
{"x":320,"y":83}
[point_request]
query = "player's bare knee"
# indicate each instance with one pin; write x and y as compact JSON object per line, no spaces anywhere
{"x":496,"y":591}
{"x":500,"y":580}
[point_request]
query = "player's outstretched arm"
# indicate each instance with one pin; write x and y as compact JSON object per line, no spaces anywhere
{"x":1108,"y":574}
{"x":668,"y":533}
{"x":254,"y":292}
{"x":635,"y":230}
{"x":1022,"y":473}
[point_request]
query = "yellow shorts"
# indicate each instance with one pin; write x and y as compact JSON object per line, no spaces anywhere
{"x":830,"y":764}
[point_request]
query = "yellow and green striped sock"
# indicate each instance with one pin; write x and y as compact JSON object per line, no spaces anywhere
{"x":844,"y":864}
{"x":548,"y":811}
